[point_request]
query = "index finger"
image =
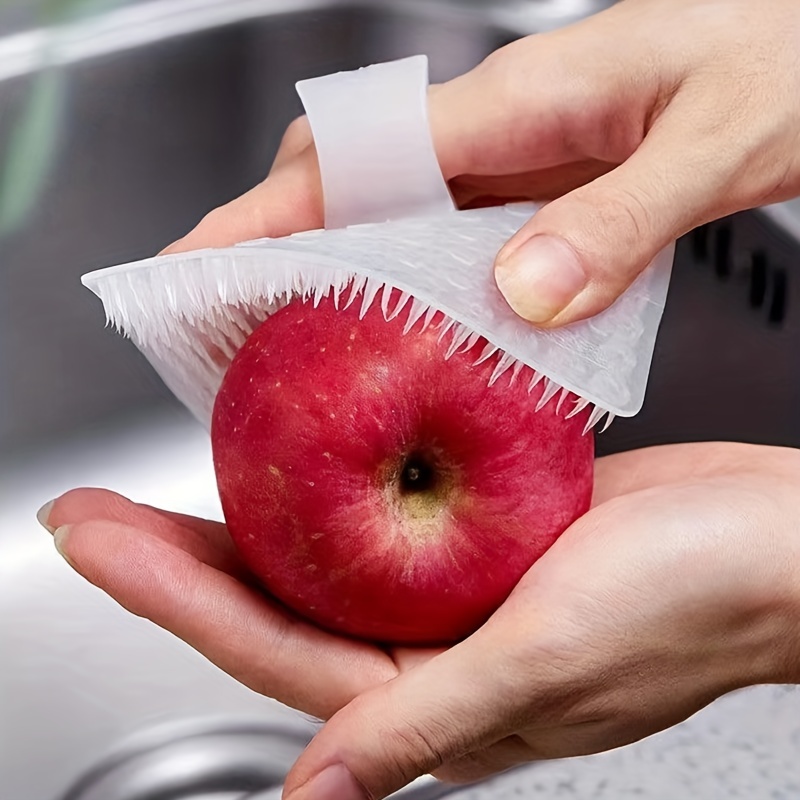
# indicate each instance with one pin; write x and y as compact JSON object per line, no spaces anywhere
{"x":288,"y":201}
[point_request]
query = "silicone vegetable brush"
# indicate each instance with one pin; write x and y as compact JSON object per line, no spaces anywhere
{"x":390,"y":224}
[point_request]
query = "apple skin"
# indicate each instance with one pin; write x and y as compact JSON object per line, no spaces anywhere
{"x":382,"y":491}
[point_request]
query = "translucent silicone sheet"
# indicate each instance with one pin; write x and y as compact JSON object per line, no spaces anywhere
{"x":190,"y":313}
{"x":390,"y":223}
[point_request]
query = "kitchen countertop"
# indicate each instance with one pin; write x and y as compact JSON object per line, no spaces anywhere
{"x":79,"y":673}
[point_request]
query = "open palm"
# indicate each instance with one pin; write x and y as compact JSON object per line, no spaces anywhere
{"x":184,"y":574}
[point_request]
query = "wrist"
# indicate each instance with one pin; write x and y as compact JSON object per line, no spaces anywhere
{"x":774,"y":635}
{"x":759,"y":632}
{"x":791,"y":668}
{"x":788,"y":561}
{"x":774,"y":567}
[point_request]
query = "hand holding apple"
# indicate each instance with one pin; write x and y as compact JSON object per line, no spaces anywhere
{"x":185,"y":575}
{"x":652,"y":605}
{"x":685,"y":573}
{"x":634,"y":143}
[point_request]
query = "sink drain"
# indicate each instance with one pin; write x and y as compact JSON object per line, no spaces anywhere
{"x":212,"y":761}
{"x":197,"y":762}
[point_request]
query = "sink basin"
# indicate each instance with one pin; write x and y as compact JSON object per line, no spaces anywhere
{"x":169,"y":109}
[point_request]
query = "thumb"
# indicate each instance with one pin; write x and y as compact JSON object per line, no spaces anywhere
{"x":579,"y":253}
{"x":459,"y":701}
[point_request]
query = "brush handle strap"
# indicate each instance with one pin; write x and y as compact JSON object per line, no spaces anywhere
{"x":374,"y":145}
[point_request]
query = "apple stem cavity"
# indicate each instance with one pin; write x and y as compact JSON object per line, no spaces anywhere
{"x":422,"y":487}
{"x":417,"y":475}
{"x":421,"y":484}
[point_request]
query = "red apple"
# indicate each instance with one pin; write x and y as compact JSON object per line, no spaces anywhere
{"x":380,"y":490}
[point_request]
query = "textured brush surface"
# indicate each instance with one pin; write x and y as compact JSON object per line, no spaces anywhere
{"x":190,"y":313}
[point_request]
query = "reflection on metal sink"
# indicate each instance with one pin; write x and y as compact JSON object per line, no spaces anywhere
{"x":169,"y":109}
{"x":172,"y":108}
{"x":79,"y":672}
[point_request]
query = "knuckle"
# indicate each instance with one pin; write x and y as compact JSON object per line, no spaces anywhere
{"x":616,"y":230}
{"x":533,"y":69}
{"x":423,"y":746}
{"x":628,"y":210}
{"x":497,"y":62}
{"x":508,"y":69}
{"x":565,"y":671}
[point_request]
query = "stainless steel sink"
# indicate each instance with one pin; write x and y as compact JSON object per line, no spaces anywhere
{"x":170,"y":108}
{"x":167,"y":110}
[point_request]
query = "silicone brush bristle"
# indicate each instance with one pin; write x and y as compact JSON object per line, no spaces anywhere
{"x":201,"y":316}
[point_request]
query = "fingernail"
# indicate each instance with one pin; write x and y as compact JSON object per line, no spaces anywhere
{"x":60,"y":539}
{"x":43,"y":515}
{"x":333,"y":783}
{"x":540,"y":278}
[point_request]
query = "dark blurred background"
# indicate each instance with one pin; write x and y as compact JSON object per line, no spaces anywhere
{"x":110,"y":157}
{"x":121,"y":124}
